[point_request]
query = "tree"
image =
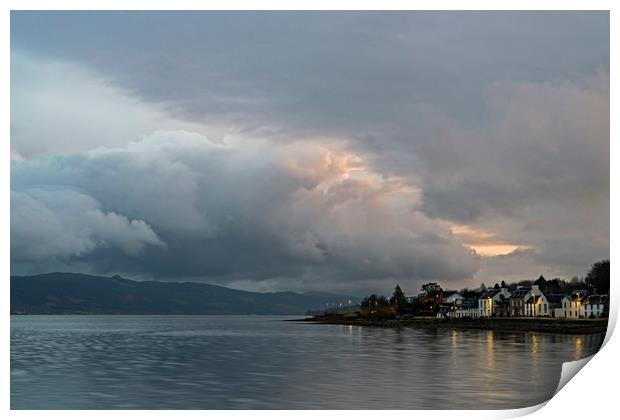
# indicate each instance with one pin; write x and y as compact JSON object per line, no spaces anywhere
{"x":398,"y":299}
{"x":577,"y":283}
{"x":365,"y":303}
{"x":504,"y":284}
{"x":382,"y":301}
{"x":378,"y":307}
{"x":540,"y":281}
{"x":555,"y":285}
{"x":482,"y":287}
{"x":496,"y":286}
{"x":598,"y":276}
{"x":428,"y":287}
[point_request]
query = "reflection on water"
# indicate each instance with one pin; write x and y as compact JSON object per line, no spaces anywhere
{"x":578,"y":348}
{"x":222,"y":362}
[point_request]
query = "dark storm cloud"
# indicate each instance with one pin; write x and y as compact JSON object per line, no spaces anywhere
{"x":196,"y":209}
{"x":497,"y":120}
{"x":320,"y":71}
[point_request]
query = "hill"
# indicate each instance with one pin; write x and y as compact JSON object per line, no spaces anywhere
{"x":72,"y":293}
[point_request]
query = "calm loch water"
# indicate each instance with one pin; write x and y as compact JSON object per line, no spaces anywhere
{"x":241,"y":362}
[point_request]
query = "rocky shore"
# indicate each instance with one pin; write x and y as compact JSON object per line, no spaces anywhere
{"x":543,"y":325}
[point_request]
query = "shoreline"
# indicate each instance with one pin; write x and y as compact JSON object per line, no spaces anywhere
{"x":542,"y":325}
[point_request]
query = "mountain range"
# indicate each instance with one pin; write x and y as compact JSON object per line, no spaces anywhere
{"x":74,"y":293}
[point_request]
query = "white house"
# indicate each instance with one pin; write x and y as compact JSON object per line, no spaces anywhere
{"x":454,"y":299}
{"x":487,"y":302}
{"x":593,"y":306}
{"x":466,"y":312}
{"x":460,"y":307}
{"x":571,"y":305}
{"x":449,"y":304}
{"x":537,"y":305}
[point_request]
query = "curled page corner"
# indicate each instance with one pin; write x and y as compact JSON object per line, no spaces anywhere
{"x":569,"y":370}
{"x":518,"y":412}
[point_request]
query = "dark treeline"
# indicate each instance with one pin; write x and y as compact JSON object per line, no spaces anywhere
{"x":597,"y":281}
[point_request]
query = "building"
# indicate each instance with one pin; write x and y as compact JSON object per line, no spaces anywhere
{"x":594,"y":306}
{"x":537,"y":305}
{"x":502,"y":306}
{"x":453,"y":298}
{"x":518,"y":298}
{"x":449,"y":303}
{"x":555,"y":302}
{"x":571,"y":305}
{"x":456,"y":305}
{"x":488,"y":303}
{"x":468,"y":309}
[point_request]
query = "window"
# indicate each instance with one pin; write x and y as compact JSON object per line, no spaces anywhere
{"x":545,"y":308}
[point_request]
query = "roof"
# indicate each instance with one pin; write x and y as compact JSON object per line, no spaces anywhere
{"x":489,"y":293}
{"x":532,"y":299}
{"x":595,"y":299}
{"x":554,"y":298}
{"x":577,"y":295}
{"x":470,"y":303}
{"x":521,"y":293}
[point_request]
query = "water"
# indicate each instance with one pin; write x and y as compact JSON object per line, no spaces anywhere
{"x":245,"y":362}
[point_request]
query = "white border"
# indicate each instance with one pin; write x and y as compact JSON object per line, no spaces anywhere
{"x":589,"y":395}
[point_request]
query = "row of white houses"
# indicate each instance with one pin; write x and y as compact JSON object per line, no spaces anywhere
{"x":529,"y":302}
{"x":582,"y":306}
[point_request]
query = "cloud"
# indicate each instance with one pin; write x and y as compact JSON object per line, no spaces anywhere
{"x":51,"y":223}
{"x":342,"y":147}
{"x":538,"y":175}
{"x":353,"y":73}
{"x":59,"y":105}
{"x":252,"y":211}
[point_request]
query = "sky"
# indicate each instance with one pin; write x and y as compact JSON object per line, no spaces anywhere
{"x":324,"y":151}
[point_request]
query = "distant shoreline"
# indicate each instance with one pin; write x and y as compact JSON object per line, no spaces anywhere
{"x":543,"y":325}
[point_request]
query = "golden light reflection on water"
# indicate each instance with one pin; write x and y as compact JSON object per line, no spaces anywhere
{"x":490,"y":350}
{"x":535,"y":373}
{"x":454,"y":346}
{"x":578,"y":348}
